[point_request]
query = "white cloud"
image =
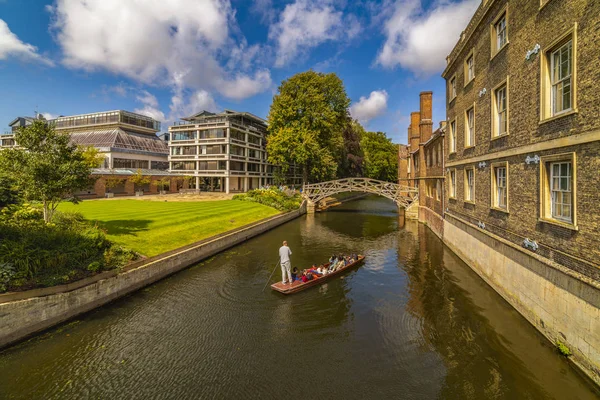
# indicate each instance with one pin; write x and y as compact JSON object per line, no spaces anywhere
{"x":305,"y":24}
{"x":420,"y":40}
{"x":49,"y":116}
{"x":243,"y":86}
{"x":370,"y":107}
{"x":182,"y":44}
{"x":11,"y":45}
{"x":150,"y":106}
{"x":264,"y":9}
{"x":185,"y":106}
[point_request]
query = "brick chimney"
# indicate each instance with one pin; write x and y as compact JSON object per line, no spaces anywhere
{"x":415,"y":120}
{"x":426,"y":124}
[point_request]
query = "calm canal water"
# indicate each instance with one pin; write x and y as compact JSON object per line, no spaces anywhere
{"x":413,"y":323}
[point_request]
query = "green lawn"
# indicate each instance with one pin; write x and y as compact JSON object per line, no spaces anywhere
{"x":154,"y":227}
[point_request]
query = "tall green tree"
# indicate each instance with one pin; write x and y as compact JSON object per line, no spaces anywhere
{"x":352,"y":158}
{"x":380,"y":157}
{"x":46,"y":167}
{"x":306,"y":121}
{"x":8,"y":190}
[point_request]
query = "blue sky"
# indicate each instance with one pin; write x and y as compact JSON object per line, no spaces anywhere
{"x":171,"y":58}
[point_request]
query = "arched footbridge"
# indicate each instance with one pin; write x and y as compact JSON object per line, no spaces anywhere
{"x":403,"y":196}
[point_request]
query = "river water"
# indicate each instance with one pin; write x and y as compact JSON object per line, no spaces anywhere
{"x":413,"y":323}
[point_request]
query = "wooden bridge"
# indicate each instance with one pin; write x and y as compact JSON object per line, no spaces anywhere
{"x":403,"y":196}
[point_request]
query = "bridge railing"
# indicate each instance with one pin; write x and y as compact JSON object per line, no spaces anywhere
{"x":401,"y":194}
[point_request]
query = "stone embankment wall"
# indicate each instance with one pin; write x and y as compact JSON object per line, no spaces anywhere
{"x":433,"y":220}
{"x":562,"y":304}
{"x":25,"y":313}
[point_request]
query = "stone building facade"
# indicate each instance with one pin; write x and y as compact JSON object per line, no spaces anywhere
{"x":524,"y":131}
{"x":522,"y":155}
{"x":421,"y":165}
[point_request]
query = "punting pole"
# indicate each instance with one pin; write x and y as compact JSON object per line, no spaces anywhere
{"x":268,"y":280}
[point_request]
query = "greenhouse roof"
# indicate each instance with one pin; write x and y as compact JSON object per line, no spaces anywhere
{"x":131,"y":171}
{"x":118,"y":138}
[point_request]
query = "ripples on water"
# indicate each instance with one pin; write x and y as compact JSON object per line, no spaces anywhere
{"x":412,"y":323}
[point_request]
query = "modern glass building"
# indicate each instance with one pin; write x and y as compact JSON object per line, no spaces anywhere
{"x":128,"y":142}
{"x":224,"y":152}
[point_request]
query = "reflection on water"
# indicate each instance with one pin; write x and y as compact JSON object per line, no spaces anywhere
{"x":414,"y":322}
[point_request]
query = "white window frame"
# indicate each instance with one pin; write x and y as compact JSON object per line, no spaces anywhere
{"x":550,"y":191}
{"x":558,"y":194}
{"x":548,"y":110}
{"x":497,"y":113}
{"x":452,"y":137}
{"x":499,"y":187}
{"x":452,"y":183}
{"x":470,"y":185}
{"x":560,"y":83}
{"x":470,"y":127}
{"x":501,"y":32}
{"x":452,"y":88}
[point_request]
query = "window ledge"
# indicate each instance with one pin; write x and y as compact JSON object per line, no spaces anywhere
{"x":469,"y":147}
{"x":558,"y":116}
{"x":451,"y":100}
{"x":468,"y":82}
{"x":565,"y":225}
{"x":499,"y":136}
{"x":499,"y":50}
{"x":504,"y":210}
{"x":452,"y":152}
{"x":469,"y":202}
{"x":451,"y":197}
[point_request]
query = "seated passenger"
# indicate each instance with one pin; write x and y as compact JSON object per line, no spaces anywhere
{"x":304,"y":277}
{"x":295,"y":276}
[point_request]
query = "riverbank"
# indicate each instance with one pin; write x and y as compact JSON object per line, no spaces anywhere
{"x":25,"y":313}
{"x":154,"y":227}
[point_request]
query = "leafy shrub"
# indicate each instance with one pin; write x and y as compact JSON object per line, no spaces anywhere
{"x":8,"y":191}
{"x":273,"y":197}
{"x":49,"y":254}
{"x":563,"y":349}
{"x":7,"y":271}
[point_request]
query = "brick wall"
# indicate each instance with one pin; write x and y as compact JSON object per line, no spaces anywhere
{"x":528,"y":25}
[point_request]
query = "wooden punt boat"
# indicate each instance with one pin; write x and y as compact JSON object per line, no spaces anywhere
{"x":297,"y":286}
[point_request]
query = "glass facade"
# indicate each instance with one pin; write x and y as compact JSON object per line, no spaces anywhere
{"x":127,"y":163}
{"x":216,"y":149}
{"x":185,"y":135}
{"x":237,"y":150}
{"x":160,"y":165}
{"x":183,"y":165}
{"x":212,"y":165}
{"x":213,"y":133}
{"x":111,"y":117}
{"x":235,"y":134}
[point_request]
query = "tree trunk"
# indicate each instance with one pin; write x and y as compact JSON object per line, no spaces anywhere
{"x":47,"y":214}
{"x":305,"y":174}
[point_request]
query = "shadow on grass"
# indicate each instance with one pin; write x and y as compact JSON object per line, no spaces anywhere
{"x":124,"y":227}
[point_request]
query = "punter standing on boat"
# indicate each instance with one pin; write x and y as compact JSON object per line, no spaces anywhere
{"x":286,"y":266}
